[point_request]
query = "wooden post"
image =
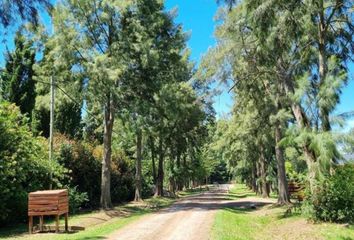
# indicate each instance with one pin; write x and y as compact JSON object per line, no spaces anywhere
{"x":66,"y":221}
{"x":41,"y":220}
{"x":51,"y":126}
{"x":30,"y":224}
{"x":57,"y":223}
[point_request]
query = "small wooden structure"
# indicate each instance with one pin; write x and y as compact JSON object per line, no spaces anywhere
{"x":296,"y":190}
{"x":46,"y":203}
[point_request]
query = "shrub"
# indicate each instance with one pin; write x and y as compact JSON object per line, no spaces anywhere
{"x":334,"y":198}
{"x":24,"y":165}
{"x":83,"y":161}
{"x":84,"y":169}
{"x":76,"y":199}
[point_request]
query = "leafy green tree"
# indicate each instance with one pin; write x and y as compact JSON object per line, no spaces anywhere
{"x":18,"y":85}
{"x":69,"y":87}
{"x":153,"y":43}
{"x":89,"y":34}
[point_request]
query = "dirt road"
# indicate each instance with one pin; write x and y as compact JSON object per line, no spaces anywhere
{"x":188,"y":219}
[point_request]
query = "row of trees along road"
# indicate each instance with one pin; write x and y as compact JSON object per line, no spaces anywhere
{"x":123,"y":79}
{"x":289,"y":62}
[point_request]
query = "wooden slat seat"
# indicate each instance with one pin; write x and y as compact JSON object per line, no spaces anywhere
{"x":296,"y":190}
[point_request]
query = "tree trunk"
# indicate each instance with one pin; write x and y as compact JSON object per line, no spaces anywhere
{"x":138,"y":177}
{"x":322,"y":65}
{"x":172,"y":178}
{"x":152,"y":146}
{"x":160,"y":174}
{"x":263,"y":169}
{"x":253,"y":177}
{"x":106,"y":202}
{"x":283,"y":192}
{"x":303,"y":124}
{"x":259,"y":183}
{"x":179,"y":177}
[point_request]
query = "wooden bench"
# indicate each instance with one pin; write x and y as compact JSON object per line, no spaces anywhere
{"x":296,"y":190}
{"x":48,"y":203}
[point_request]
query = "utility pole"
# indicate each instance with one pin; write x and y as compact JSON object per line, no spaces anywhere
{"x":52,"y":92}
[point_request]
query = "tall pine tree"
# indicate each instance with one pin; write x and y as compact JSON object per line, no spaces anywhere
{"x":17,"y":77}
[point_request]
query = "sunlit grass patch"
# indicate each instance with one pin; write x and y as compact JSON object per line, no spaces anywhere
{"x":270,"y":222}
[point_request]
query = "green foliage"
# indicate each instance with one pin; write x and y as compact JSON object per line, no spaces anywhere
{"x":76,"y":199}
{"x":84,"y":169}
{"x":24,"y":165}
{"x":220,"y":174}
{"x":334,"y":197}
{"x":83,"y":160}
{"x":17,"y":83}
{"x":10,"y":11}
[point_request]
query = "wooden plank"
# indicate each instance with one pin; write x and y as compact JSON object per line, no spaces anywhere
{"x":41,"y":221}
{"x":63,"y":206}
{"x":30,"y":224}
{"x":57,"y":223}
{"x":66,"y":222}
{"x":42,"y":210}
{"x":63,"y":201}
{"x":49,"y":192}
{"x":42,"y":199}
{"x":39,"y":202}
{"x":42,"y":205}
{"x":46,"y":213}
{"x":43,"y":196}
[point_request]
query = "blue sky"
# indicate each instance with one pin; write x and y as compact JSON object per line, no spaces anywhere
{"x":196,"y":16}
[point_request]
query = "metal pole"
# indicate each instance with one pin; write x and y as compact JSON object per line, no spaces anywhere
{"x":52,"y":89}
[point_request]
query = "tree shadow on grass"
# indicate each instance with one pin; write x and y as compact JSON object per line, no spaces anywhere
{"x":90,"y":238}
{"x":12,"y":231}
{"x":239,"y":210}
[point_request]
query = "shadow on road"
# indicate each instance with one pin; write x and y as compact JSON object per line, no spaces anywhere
{"x":213,"y":200}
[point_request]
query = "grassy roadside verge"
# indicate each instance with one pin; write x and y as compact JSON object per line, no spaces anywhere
{"x":269,"y":222}
{"x":97,"y":223}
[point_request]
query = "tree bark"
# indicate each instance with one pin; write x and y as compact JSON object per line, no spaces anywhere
{"x":263,"y":169}
{"x":138,"y":177}
{"x":160,"y":173}
{"x":106,"y":202}
{"x":253,"y":177}
{"x":179,"y":177}
{"x":152,"y":146}
{"x":259,"y":183}
{"x":303,"y":124}
{"x":172,"y":178}
{"x":283,"y":192}
{"x":322,"y":64}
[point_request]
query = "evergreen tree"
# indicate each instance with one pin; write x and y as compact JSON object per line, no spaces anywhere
{"x":154,"y":45}
{"x":26,"y":10}
{"x":17,"y":76}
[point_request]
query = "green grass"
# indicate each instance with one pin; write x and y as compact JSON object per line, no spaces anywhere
{"x":270,"y":222}
{"x":240,"y":191}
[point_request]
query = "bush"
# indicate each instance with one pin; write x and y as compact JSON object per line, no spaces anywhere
{"x":24,"y":165}
{"x":76,"y":199}
{"x":334,"y":199}
{"x":84,"y":169}
{"x":83,"y":161}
